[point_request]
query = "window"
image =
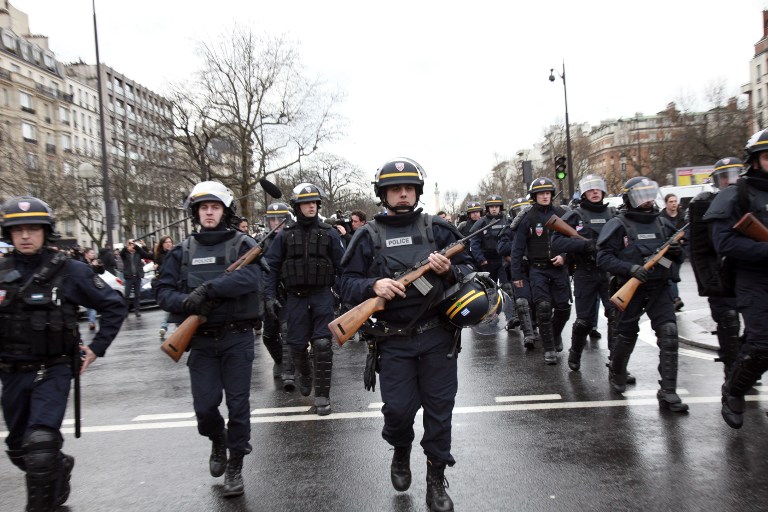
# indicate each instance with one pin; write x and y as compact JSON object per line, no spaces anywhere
{"x":66,"y":143}
{"x":64,"y":115}
{"x":29,"y":132}
{"x":32,"y":161}
{"x":25,"y":99}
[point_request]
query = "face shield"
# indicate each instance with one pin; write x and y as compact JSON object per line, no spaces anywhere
{"x":497,"y":320}
{"x":643,"y":192}
{"x":722,"y":179}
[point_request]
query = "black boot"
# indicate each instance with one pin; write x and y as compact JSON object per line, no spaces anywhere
{"x":526,"y":324}
{"x":67,"y":465}
{"x":233,"y":479}
{"x":728,"y":338}
{"x":578,"y":341}
{"x":544,"y":318}
{"x":668,"y":343}
{"x":617,"y":372}
{"x":301,"y":361}
{"x":43,"y":463}
{"x":289,"y":370}
{"x":218,"y":460}
{"x":323,"y":355}
{"x":400,"y":471}
{"x":559,"y":319}
{"x":437,"y":496}
{"x":513,"y":321}
{"x":745,"y":372}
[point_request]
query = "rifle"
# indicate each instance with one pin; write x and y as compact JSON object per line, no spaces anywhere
{"x":176,"y":344}
{"x":557,"y":224}
{"x":345,"y":326}
{"x":750,"y":226}
{"x":624,"y":295}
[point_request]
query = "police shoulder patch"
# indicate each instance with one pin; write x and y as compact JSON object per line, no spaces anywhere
{"x":98,"y":282}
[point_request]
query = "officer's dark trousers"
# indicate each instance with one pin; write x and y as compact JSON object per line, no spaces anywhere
{"x":752,"y":303}
{"x":588,"y":288}
{"x":415,"y":372}
{"x":29,"y":405}
{"x":223,"y":365}
{"x":551,"y":285}
{"x":653,"y":299}
{"x":308,"y":317}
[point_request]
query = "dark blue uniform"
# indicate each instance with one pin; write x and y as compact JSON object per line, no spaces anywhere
{"x":523,"y":296}
{"x":590,"y":282}
{"x":36,"y":359}
{"x":483,"y":249}
{"x":415,"y":369}
{"x":222,"y":350}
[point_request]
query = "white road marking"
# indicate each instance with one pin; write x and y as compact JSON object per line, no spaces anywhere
{"x":650,"y":392}
{"x":278,"y":410}
{"x":527,"y":398}
{"x":376,"y":414}
{"x":158,"y":417}
{"x":760,"y":388}
{"x":647,"y":335}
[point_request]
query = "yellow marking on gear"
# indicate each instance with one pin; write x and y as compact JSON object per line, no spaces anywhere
{"x":459,"y":304}
{"x":27,"y":214}
{"x":398,"y":174}
{"x":728,"y":166}
{"x":308,"y":195}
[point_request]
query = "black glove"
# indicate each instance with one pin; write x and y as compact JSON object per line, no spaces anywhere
{"x":272,"y":308}
{"x":639,"y":272}
{"x":591,"y":248}
{"x":197,"y":302}
{"x":674,"y":250}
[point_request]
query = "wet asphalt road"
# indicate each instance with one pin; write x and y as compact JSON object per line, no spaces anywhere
{"x":526,"y":437}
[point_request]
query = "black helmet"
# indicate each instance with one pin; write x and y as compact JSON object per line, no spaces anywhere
{"x":399,"y":171}
{"x":726,"y":171}
{"x":639,"y":190}
{"x":541,"y":185}
{"x":757,"y":143}
{"x":494,"y":200}
{"x":474,"y":206}
{"x":26,"y":210}
{"x":472,"y":299}
{"x":278,"y":211}
{"x":307,"y":193}
{"x":519,"y":204}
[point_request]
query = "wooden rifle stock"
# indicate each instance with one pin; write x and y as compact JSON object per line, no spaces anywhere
{"x":246,"y":259}
{"x":345,"y":326}
{"x":624,"y":295}
{"x":750,"y":226}
{"x":557,"y":224}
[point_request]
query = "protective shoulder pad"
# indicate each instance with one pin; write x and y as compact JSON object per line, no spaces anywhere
{"x":370,"y":228}
{"x":611,"y":227}
{"x":571,"y":214}
{"x":723,"y":204}
{"x":520,"y":217}
{"x":323,"y":225}
{"x":443,"y":223}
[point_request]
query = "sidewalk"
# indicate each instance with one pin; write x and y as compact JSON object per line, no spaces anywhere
{"x":695,"y":328}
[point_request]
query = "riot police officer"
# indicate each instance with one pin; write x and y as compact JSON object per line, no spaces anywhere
{"x":548,"y":274}
{"x":194,"y":281}
{"x":483,"y":247}
{"x":272,"y":335}
{"x":748,"y":258}
{"x":708,"y":267}
{"x":416,"y":345}
{"x":306,"y":258}
{"x":590,"y":283}
{"x":40,"y":291}
{"x":474,"y":212}
{"x":623,"y":246}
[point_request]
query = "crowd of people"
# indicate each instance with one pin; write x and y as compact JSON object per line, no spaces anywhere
{"x":528,"y":259}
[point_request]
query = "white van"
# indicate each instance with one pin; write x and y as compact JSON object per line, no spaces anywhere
{"x":684,"y":194}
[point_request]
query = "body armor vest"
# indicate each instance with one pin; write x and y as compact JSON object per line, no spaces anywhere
{"x":590,"y":225}
{"x":490,"y":238}
{"x":713,"y":277}
{"x":307,"y":262}
{"x":642,"y":240}
{"x":539,"y":237}
{"x":201,"y":263}
{"x":35,"y":320}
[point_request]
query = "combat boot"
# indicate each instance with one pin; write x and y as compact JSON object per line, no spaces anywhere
{"x":437,"y":496}
{"x":728,"y":338}
{"x":323,"y":358}
{"x":218,"y":460}
{"x":301,"y":361}
{"x":745,"y":372}
{"x":526,"y":324}
{"x":513,"y":321}
{"x":275,"y":348}
{"x":43,"y":462}
{"x":559,"y":319}
{"x":289,"y":371}
{"x":233,"y":479}
{"x":668,"y":344}
{"x":544,"y":317}
{"x":578,"y":342}
{"x":617,"y":372}
{"x":400,"y":471}
{"x":67,"y":465}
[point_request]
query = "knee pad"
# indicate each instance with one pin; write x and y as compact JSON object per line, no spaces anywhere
{"x":729,"y":320}
{"x":668,"y":330}
{"x":522,"y":305}
{"x":544,"y":311}
{"x":322,"y":345}
{"x":581,"y":327}
{"x":42,"y":447}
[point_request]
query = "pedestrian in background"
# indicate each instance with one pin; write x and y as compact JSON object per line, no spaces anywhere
{"x":89,"y":258}
{"x":161,"y":250}
{"x":41,"y":292}
{"x":672,"y":213}
{"x":133,"y":255}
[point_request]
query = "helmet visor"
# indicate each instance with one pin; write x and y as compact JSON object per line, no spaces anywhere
{"x":725,"y":177}
{"x":642,"y":193}
{"x":592,"y":182}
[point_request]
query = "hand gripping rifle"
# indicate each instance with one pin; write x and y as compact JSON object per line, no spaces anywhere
{"x":178,"y":341}
{"x":345,"y":326}
{"x":750,"y":226}
{"x":624,"y":295}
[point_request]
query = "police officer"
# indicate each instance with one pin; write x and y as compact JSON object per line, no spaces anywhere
{"x":748,"y":258}
{"x":623,"y":246}
{"x":548,"y":274}
{"x":474,"y":212}
{"x":487,"y":259}
{"x":272,"y":335}
{"x":40,"y":291}
{"x":708,"y":266}
{"x":590,"y":283}
{"x":193,"y":281}
{"x":306,"y":258}
{"x":416,"y":346}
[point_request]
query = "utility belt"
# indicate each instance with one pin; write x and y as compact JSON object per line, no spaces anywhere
{"x":541,"y":264}
{"x":302,"y":292}
{"x":208,"y":331}
{"x":383,"y":329}
{"x":32,"y":366}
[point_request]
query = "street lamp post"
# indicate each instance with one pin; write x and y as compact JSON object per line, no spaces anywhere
{"x":567,"y":129}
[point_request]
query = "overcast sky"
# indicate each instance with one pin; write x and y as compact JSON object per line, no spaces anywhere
{"x":456,"y":86}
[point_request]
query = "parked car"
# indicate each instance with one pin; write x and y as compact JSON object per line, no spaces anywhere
{"x":684,"y":193}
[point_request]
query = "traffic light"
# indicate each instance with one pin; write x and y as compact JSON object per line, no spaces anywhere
{"x":560,"y":170}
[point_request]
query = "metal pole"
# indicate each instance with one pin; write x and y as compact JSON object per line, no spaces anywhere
{"x":103,"y":128}
{"x":568,"y":139}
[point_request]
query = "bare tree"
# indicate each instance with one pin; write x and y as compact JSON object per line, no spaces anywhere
{"x":341,"y":181}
